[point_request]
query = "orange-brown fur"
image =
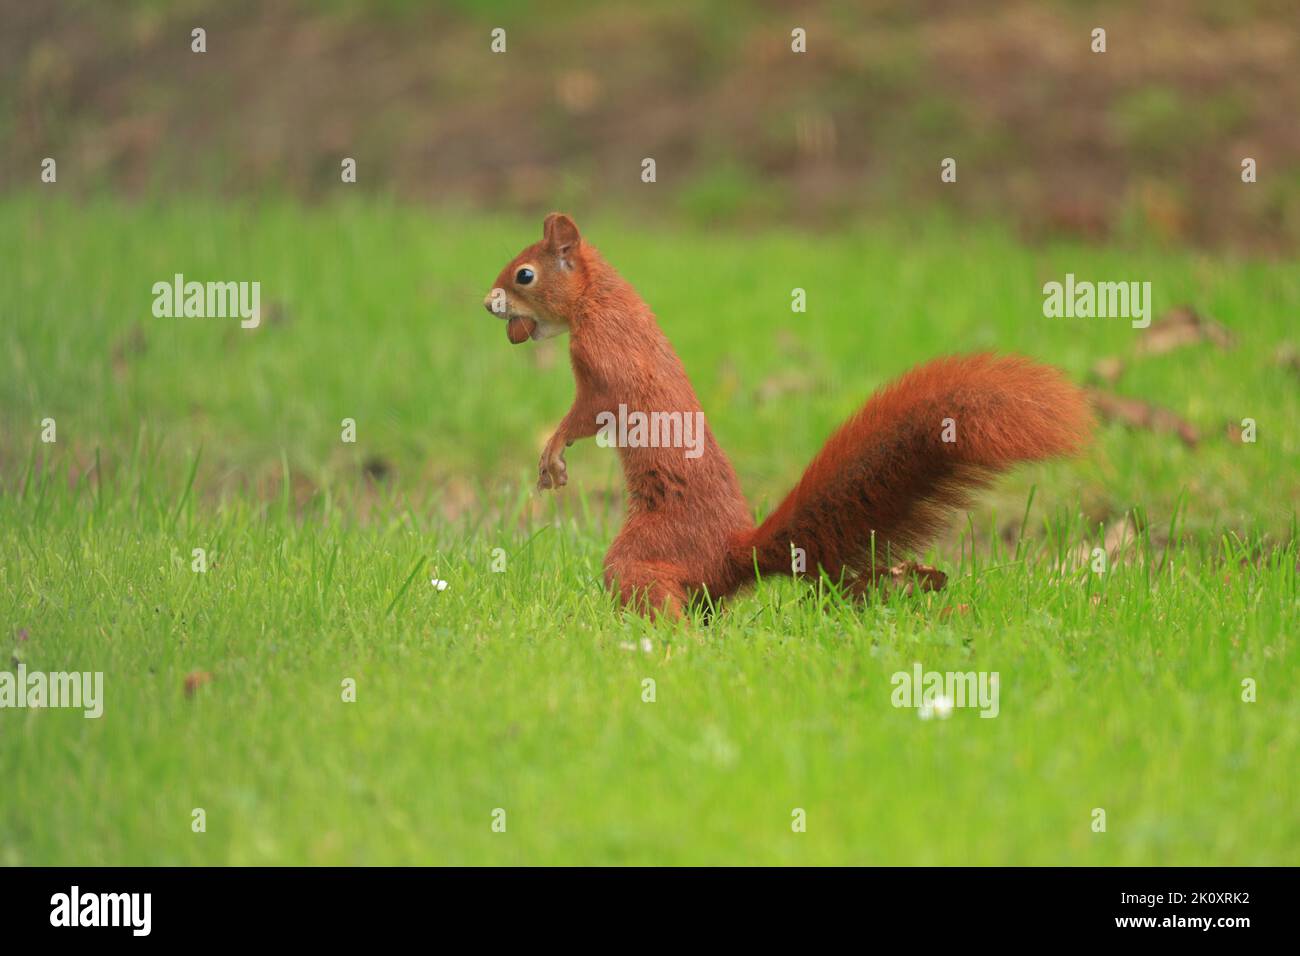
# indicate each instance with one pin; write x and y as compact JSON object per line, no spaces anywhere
{"x":881,"y":486}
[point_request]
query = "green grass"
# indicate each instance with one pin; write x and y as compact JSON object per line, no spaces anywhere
{"x":523,"y":689}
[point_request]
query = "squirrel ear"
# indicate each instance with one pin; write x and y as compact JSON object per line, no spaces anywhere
{"x":559,"y":233}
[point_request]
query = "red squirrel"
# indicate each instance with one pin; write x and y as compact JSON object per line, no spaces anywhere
{"x":881,"y":486}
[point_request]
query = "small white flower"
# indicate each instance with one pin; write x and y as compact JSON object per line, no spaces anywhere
{"x":438,"y":584}
{"x":943,"y":707}
{"x":646,"y":645}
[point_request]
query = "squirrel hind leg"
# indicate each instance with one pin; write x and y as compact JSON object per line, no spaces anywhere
{"x":650,"y":588}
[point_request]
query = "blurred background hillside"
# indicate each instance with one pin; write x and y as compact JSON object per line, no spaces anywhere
{"x":1054,"y":140}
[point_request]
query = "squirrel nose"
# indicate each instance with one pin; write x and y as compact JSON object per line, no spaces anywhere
{"x":487,"y":303}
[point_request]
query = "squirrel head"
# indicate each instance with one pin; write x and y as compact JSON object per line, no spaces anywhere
{"x":538,"y":291}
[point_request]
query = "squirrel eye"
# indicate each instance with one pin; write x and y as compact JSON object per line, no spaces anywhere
{"x":524,"y":276}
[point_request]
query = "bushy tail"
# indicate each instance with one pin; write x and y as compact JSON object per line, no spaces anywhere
{"x":888,"y":469}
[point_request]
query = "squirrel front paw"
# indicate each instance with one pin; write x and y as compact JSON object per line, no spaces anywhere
{"x":551,"y":470}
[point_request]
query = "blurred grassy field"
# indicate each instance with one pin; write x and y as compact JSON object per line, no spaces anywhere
{"x":374,"y":313}
{"x":523,"y":690}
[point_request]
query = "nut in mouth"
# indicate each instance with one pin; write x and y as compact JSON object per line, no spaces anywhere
{"x":519,"y":326}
